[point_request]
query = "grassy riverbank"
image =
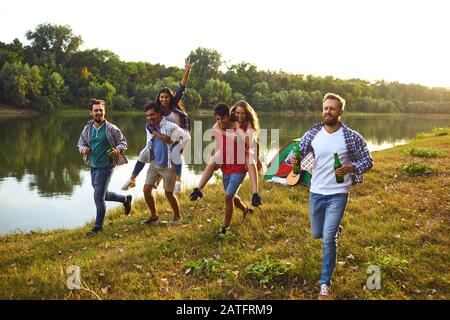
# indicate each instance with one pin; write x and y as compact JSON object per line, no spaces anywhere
{"x":398,"y":220}
{"x":8,"y":111}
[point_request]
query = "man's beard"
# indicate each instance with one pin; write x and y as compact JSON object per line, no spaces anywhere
{"x":98,"y":119}
{"x":331,"y":121}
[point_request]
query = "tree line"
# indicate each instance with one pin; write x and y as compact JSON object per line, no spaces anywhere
{"x":51,"y":72}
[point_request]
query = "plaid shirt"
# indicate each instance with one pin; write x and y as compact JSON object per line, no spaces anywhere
{"x":358,"y":153}
{"x":114,"y":136}
{"x":177,"y":134}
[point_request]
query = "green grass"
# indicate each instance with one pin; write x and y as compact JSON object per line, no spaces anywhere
{"x":425,"y":153}
{"x":417,"y":169}
{"x":434,"y":132}
{"x":393,"y":220}
{"x":441,"y":131}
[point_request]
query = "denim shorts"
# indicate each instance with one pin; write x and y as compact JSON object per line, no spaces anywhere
{"x":232,"y":183}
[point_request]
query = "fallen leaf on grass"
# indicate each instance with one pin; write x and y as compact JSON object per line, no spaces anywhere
{"x":350,"y":257}
{"x":106,"y":289}
{"x":164,"y":290}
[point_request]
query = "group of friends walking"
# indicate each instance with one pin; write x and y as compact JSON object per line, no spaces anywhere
{"x":235,"y":135}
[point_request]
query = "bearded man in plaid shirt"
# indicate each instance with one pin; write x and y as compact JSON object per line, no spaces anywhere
{"x":328,"y":198}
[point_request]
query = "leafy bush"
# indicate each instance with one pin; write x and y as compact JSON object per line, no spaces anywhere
{"x":417,"y":169}
{"x":441,"y":131}
{"x":270,"y":270}
{"x":425,"y":153}
{"x":390,"y":264}
{"x":421,"y":135}
{"x":207,"y":267}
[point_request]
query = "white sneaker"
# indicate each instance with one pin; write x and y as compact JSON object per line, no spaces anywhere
{"x":177,"y":189}
{"x":325,"y":292}
{"x":129,"y":184}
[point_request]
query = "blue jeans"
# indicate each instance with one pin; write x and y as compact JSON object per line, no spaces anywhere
{"x":100,"y":178}
{"x":326,"y":213}
{"x":232,"y":183}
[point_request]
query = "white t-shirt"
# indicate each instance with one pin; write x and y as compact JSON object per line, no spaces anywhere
{"x":323,"y":179}
{"x":174,"y":117}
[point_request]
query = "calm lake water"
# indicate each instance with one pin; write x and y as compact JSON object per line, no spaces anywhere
{"x":44,"y":183}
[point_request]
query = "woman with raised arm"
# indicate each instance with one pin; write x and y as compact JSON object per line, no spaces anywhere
{"x":174,"y":111}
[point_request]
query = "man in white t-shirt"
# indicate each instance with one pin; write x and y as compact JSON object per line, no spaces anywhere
{"x":328,"y":198}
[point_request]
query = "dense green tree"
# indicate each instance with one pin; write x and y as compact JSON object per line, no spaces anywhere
{"x":120,"y":102}
{"x":53,"y":90}
{"x":21,"y":84}
{"x":216,"y":91}
{"x":207,"y":63}
{"x":51,"y":44}
{"x":192,"y":99}
{"x":13,"y":52}
{"x":279,"y":100}
{"x":242,"y":77}
{"x":105,"y":91}
{"x":298,"y":100}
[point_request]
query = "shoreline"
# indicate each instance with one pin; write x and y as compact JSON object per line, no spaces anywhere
{"x":9,"y":111}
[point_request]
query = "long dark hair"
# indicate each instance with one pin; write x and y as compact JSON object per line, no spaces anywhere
{"x":172,"y":104}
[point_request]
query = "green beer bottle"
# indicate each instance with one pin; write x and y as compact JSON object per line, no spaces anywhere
{"x":337,"y":164}
{"x":298,"y":156}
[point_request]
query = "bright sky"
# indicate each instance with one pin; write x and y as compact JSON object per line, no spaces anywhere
{"x":394,"y":40}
